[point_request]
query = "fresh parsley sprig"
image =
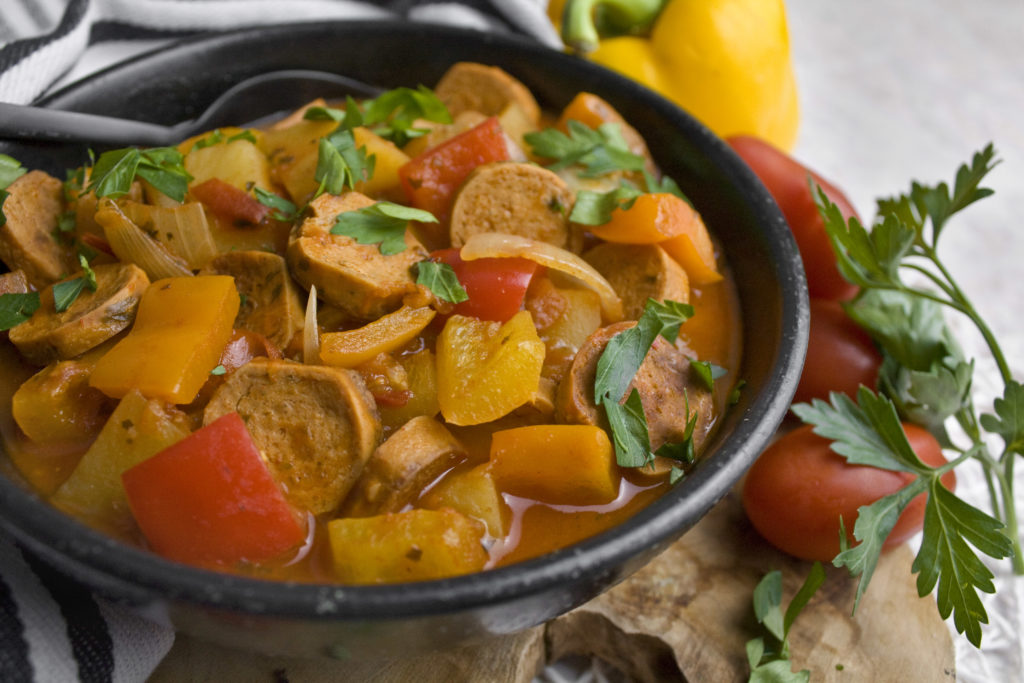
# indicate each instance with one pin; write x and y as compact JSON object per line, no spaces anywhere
{"x":769,"y":656}
{"x":16,"y":308}
{"x":600,"y":151}
{"x":382,"y":223}
{"x":595,"y":208}
{"x":162,"y":167}
{"x":440,"y":278}
{"x":618,"y":364}
{"x":10,"y":170}
{"x":65,"y":293}
{"x":925,"y":379}
{"x":341,"y":163}
{"x":392,"y":115}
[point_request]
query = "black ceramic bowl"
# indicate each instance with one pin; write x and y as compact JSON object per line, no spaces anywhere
{"x":302,"y":619}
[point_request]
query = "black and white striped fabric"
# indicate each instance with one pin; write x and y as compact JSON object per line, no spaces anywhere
{"x":52,"y":629}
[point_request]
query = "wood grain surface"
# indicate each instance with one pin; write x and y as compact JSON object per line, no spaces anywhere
{"x":685,"y":617}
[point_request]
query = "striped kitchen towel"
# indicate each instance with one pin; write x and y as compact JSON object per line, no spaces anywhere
{"x":52,"y":629}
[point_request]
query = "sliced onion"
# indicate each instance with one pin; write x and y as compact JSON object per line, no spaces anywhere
{"x":502,"y":245}
{"x":311,"y":333}
{"x":132,"y":245}
{"x":182,"y":229}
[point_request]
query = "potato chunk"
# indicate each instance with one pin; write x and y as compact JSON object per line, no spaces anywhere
{"x":417,"y":545}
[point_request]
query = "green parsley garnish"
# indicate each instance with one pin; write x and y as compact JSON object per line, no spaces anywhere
{"x":16,"y":308}
{"x":340,"y":164}
{"x":10,"y":170}
{"x":391,"y":115}
{"x":599,"y":151}
{"x":769,"y":655}
{"x":219,"y":370}
{"x":65,"y":293}
{"x":707,"y":372}
{"x":595,"y":208}
{"x":924,"y":379}
{"x":382,"y":223}
{"x":162,"y":167}
{"x":440,"y":279}
{"x":280,"y":208}
{"x":616,"y":368}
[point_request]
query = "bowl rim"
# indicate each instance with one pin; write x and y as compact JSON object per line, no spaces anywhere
{"x":60,"y":537}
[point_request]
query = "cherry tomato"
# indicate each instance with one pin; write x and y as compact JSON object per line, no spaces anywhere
{"x":840,"y":355}
{"x":786,"y":180}
{"x":797,"y":490}
{"x":496,"y":286}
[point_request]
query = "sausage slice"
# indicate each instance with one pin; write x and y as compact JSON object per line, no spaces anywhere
{"x":639,"y":271}
{"x":665,"y":382}
{"x":270,"y":303}
{"x":468,"y":86}
{"x":514,"y":198}
{"x":26,"y":239}
{"x":412,"y":457}
{"x":355,"y":277}
{"x":314,"y":425}
{"x":93,"y":317}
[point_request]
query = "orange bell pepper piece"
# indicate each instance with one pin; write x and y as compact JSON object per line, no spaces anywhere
{"x":558,"y":464}
{"x":665,"y":219}
{"x":181,"y":328}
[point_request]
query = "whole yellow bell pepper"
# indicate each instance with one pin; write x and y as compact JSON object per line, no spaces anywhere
{"x":727,"y":62}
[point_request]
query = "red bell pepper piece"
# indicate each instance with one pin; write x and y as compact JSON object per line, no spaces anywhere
{"x":210,"y":499}
{"x":496,"y":287}
{"x":231,"y":204}
{"x":431,"y":179}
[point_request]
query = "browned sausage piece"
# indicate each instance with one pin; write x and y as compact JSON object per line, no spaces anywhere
{"x":355,"y":277}
{"x":639,"y":271}
{"x":468,"y":86}
{"x":90,"y":320}
{"x":665,"y":382}
{"x":26,"y":239}
{"x":14,"y":282}
{"x":314,"y":425}
{"x":270,"y":299}
{"x":514,"y":198}
{"x":412,"y":457}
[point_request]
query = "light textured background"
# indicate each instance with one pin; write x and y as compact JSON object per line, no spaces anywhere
{"x":894,"y":91}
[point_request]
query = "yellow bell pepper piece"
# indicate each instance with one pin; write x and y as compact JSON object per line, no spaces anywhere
{"x":416,"y":545}
{"x":180,"y":331}
{"x":485,"y":370}
{"x":135,"y":431}
{"x":532,"y":462}
{"x":725,"y":61}
{"x":350,"y":348}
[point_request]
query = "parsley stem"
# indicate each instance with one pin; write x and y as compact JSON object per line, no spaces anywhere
{"x":1010,"y":513}
{"x":964,"y":305}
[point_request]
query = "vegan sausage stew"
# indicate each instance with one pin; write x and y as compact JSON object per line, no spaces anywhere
{"x":401,"y":339}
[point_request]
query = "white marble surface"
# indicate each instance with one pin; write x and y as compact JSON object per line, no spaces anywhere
{"x":894,"y":91}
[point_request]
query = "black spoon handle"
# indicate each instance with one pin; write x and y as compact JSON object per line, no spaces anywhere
{"x":22,"y":122}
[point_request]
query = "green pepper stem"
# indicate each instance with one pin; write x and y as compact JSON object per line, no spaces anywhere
{"x":585,"y":22}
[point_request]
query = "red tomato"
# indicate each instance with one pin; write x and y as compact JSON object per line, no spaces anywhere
{"x":797,"y":490}
{"x":840,"y":355}
{"x":786,"y":180}
{"x":236,"y":207}
{"x":496,"y":286}
{"x":210,"y":499}
{"x":431,"y":179}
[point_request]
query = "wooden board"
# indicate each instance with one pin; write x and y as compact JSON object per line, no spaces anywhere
{"x":686,"y":616}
